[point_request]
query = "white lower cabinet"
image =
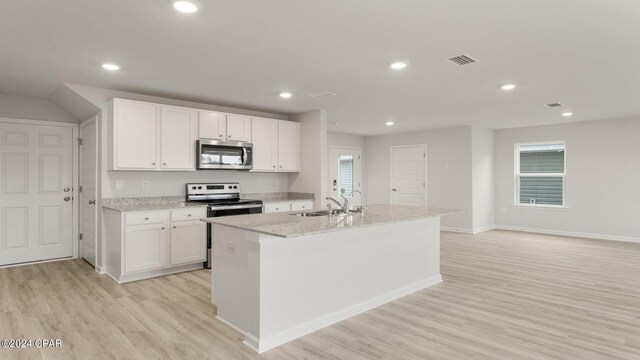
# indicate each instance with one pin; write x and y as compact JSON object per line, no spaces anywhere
{"x":145,"y":247}
{"x":285,"y":206}
{"x":142,"y":245}
{"x":188,"y":242}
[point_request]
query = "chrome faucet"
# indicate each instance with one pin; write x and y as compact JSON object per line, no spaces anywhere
{"x":361,"y":197}
{"x":337,"y":203}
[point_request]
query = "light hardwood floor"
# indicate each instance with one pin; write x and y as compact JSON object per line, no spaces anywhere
{"x":506,"y":295}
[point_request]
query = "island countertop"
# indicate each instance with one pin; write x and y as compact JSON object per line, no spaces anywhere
{"x":286,"y":225}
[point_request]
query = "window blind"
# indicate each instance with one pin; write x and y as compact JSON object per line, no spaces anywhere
{"x":541,"y":174}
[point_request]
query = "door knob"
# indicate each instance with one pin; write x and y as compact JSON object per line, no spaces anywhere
{"x":66,"y":189}
{"x":92,"y":202}
{"x":66,"y":198}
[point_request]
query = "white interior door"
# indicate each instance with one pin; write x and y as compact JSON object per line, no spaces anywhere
{"x":36,"y":180}
{"x":88,"y":180}
{"x":346,"y":172}
{"x":408,"y":175}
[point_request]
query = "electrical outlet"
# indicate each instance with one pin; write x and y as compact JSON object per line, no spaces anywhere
{"x":146,"y":185}
{"x":119,"y":185}
{"x":276,"y":182}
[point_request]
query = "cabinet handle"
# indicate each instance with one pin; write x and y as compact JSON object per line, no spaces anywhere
{"x":228,"y":136}
{"x":189,"y":215}
{"x":164,"y":164}
{"x":154,"y":164}
{"x":221,"y":135}
{"x":274,"y":166}
{"x":174,"y":227}
{"x":146,"y":218}
{"x":162,"y":228}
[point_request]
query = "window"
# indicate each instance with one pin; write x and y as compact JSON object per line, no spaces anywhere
{"x":540,"y":174}
{"x":345,"y":174}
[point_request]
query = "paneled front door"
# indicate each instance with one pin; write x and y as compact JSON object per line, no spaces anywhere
{"x":36,"y":179}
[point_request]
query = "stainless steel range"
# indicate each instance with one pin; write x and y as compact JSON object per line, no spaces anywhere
{"x":223,"y":199}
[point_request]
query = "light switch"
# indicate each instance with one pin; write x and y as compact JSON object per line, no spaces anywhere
{"x":146,"y":185}
{"x":119,"y":185}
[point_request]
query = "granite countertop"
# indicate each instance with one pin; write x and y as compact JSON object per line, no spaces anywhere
{"x":147,"y":203}
{"x":278,"y":196}
{"x":286,"y":225}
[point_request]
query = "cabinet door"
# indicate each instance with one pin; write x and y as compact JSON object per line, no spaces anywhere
{"x":136,"y":135}
{"x":301,"y":205}
{"x":212,"y":125}
{"x":277,"y":207}
{"x":238,"y":128}
{"x":188,"y":242}
{"x":264,"y":136}
{"x":146,"y":247}
{"x":289,"y":146}
{"x":178,"y":129}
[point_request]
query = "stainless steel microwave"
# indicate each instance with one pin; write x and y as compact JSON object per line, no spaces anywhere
{"x":216,"y":154}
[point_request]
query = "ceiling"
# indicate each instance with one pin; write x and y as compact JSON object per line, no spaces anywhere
{"x":584,"y":54}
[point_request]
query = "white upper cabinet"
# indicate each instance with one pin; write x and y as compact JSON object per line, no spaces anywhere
{"x":135,"y":135}
{"x":178,"y":134}
{"x":289,"y":147}
{"x":146,"y":136}
{"x":212,"y":125}
{"x":264,"y":135}
{"x":238,"y":128}
{"x":221,"y":126}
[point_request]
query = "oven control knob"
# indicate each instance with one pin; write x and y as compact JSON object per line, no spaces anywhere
{"x":193,"y":187}
{"x":199,"y":187}
{"x":230,"y":187}
{"x":235,"y":187}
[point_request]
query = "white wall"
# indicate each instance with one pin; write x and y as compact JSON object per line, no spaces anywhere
{"x":448,"y":176}
{"x":482,"y":178}
{"x":312,"y":177}
{"x":603,"y":179}
{"x":30,"y":108}
{"x":346,"y":140}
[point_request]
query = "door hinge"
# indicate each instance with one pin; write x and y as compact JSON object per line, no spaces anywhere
{"x":424,"y":155}
{"x":79,"y":141}
{"x":80,"y":236}
{"x":80,"y":188}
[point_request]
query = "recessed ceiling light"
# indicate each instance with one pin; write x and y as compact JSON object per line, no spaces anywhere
{"x":567,"y":114}
{"x":110,"y":67}
{"x":398,"y":65}
{"x":285,"y":95}
{"x":389,"y":123}
{"x":186,"y":6}
{"x":508,"y":87}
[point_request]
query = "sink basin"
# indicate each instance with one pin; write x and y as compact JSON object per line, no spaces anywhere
{"x":322,"y":213}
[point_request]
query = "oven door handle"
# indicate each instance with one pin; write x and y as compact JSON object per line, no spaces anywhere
{"x":235,"y":207}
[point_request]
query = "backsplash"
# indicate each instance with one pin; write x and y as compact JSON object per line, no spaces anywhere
{"x":173,"y":183}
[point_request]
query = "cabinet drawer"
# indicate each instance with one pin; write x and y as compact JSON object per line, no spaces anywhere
{"x":194,"y":213}
{"x":147,"y":218}
{"x":301,"y":205}
{"x":277,"y":207}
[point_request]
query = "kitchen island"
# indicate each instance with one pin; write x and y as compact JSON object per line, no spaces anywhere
{"x":280,"y":276}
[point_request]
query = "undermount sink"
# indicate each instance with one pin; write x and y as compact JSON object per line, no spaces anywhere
{"x":312,"y":213}
{"x":326,"y":213}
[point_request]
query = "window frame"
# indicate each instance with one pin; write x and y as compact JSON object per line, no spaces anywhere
{"x":517,"y":175}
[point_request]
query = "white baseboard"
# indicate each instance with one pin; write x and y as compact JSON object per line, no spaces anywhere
{"x":101,"y":270}
{"x":457,"y":230}
{"x":262,"y":345}
{"x":155,"y":273}
{"x":483,"y":229}
{"x":570,"y":233}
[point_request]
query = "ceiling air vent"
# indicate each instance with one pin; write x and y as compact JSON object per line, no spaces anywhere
{"x":322,"y":94}
{"x":462,"y":60}
{"x":553,"y":105}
